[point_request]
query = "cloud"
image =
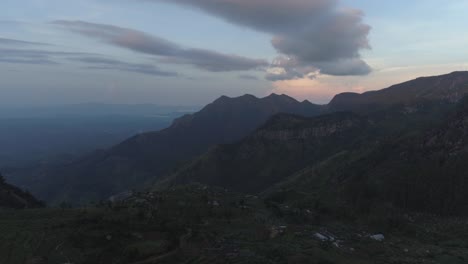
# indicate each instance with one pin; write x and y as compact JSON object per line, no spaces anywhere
{"x":112,"y":64}
{"x":34,"y":56}
{"x":170,"y":52}
{"x":94,"y":62}
{"x":37,"y":61}
{"x":248,"y":77}
{"x":6,"y":41}
{"x":344,"y":67}
{"x":45,"y":57}
{"x":37,"y":53}
{"x":316,"y":35}
{"x":216,"y":62}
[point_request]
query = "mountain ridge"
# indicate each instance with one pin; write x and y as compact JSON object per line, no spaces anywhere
{"x":418,"y":172}
{"x":275,"y":150}
{"x":146,"y":157}
{"x":419,"y":89}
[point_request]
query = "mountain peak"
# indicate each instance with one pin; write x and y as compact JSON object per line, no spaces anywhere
{"x":280,"y":97}
{"x":245,"y":97}
{"x":458,"y":73}
{"x":276,"y":98}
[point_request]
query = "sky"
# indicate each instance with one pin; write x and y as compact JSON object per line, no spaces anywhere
{"x":189,"y":52}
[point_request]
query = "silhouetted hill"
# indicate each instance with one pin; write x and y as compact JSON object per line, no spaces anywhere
{"x":147,"y":156}
{"x":12,"y":197}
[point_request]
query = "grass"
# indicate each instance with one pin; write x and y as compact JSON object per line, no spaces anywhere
{"x":183,"y":226}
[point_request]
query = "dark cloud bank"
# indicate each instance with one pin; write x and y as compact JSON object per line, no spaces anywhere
{"x":309,"y":35}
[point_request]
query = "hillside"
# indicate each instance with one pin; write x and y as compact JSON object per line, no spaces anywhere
{"x":425,"y":172}
{"x":200,"y":224}
{"x":283,"y":145}
{"x":287,"y":144}
{"x":12,"y":197}
{"x":421,"y":171}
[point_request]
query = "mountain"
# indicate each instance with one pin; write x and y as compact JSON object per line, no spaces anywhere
{"x":345,"y":160}
{"x":146,"y":156}
{"x":449,"y":88}
{"x":283,"y":145}
{"x":416,"y":172}
{"x":286,"y":144}
{"x":423,"y":172}
{"x":386,"y":184}
{"x":409,"y":154}
{"x":12,"y":197}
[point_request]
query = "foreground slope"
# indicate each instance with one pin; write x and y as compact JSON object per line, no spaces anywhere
{"x":199,"y":224}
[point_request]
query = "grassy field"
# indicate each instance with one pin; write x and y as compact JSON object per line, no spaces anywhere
{"x":197,"y":224}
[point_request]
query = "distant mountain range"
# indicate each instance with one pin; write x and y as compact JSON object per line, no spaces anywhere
{"x":261,"y":143}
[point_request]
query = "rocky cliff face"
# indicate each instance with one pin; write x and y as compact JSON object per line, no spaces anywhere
{"x":277,"y":149}
{"x":320,"y":129}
